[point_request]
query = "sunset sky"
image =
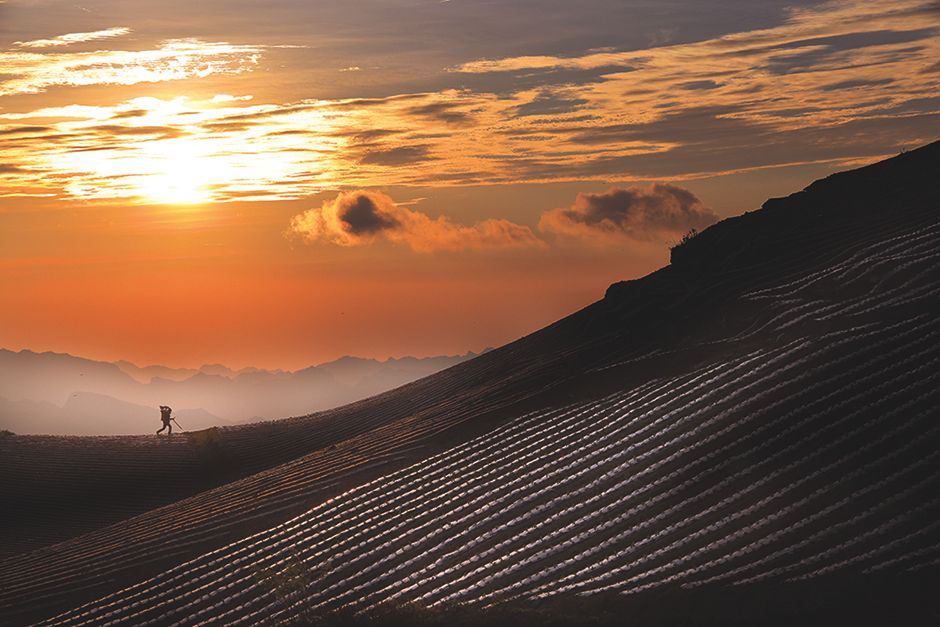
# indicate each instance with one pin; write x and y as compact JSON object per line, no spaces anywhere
{"x":281,"y":183}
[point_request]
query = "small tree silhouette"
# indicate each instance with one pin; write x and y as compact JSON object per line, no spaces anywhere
{"x":688,"y":237}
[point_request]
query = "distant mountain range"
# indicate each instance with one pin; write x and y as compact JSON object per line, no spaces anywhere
{"x":57,"y":393}
{"x":145,"y":374}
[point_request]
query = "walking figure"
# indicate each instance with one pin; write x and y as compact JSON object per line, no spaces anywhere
{"x":166,"y":417}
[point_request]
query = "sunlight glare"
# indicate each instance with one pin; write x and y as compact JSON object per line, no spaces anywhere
{"x":179,"y":175}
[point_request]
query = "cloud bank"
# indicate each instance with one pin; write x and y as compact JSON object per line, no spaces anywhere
{"x":636,"y":213}
{"x":837,"y":83}
{"x":360,"y":217}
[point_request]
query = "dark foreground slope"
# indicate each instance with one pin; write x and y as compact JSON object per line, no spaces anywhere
{"x":761,"y":411}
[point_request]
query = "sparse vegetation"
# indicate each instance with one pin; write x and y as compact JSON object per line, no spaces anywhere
{"x":685,"y":239}
{"x":679,"y":250}
{"x":5,"y":433}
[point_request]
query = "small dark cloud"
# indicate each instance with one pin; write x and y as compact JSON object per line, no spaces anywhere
{"x":39,"y":138}
{"x":548,"y":103}
{"x":449,"y":113}
{"x":227,"y":127}
{"x":25,"y":130}
{"x":364,"y":103}
{"x":512,"y":81}
{"x":364,"y":136}
{"x":6,"y":168}
{"x":429,"y":136}
{"x":133,"y":113}
{"x":396,"y":156}
{"x":138,"y":131}
{"x":94,"y":148}
{"x":289,"y":132}
{"x":270,"y":113}
{"x":531,"y":137}
{"x":699,"y":85}
{"x":795,"y":112}
{"x":588,"y":117}
{"x":638,"y":213}
{"x":361,"y":215}
{"x":857,"y":84}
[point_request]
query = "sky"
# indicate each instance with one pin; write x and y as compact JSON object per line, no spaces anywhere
{"x":280,"y":183}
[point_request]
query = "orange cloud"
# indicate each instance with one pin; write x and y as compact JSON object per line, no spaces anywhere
{"x":358,"y":218}
{"x":637,"y":213}
{"x":74,"y":38}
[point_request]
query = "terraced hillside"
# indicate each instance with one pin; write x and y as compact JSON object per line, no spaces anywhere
{"x":761,"y":411}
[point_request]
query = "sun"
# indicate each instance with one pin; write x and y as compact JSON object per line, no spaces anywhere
{"x":177,"y":173}
{"x":166,"y":156}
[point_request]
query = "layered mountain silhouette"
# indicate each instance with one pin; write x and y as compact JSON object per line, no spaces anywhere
{"x":60,"y":394}
{"x":757,"y":420}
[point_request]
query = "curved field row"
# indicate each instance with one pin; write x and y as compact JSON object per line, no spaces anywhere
{"x":716,"y":422}
{"x":543,"y":508}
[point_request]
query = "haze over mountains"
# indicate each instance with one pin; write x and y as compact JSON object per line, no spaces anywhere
{"x":55,"y":393}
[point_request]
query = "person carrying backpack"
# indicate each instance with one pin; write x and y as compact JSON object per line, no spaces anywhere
{"x":166,"y":415}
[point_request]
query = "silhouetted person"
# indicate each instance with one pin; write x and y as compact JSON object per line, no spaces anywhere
{"x":166,"y":416}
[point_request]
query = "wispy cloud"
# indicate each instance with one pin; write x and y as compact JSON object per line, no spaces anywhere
{"x":230,"y":98}
{"x":75,"y":38}
{"x":359,"y":218}
{"x":31,"y":72}
{"x":584,"y":62}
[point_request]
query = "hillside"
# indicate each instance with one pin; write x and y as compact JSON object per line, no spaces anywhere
{"x":760,"y":415}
